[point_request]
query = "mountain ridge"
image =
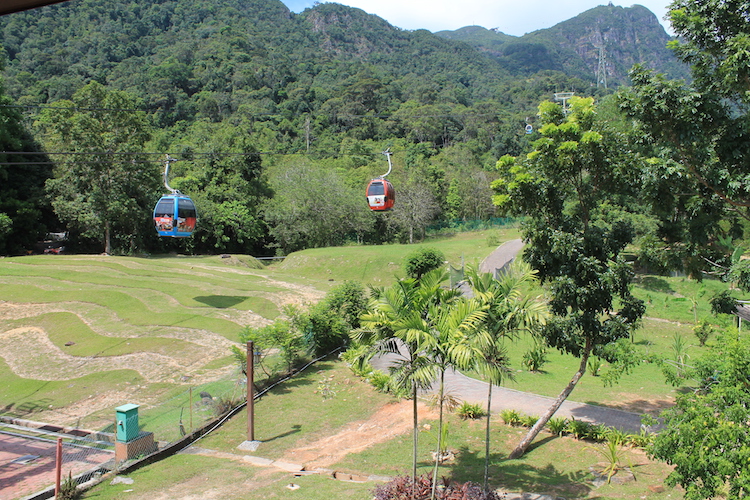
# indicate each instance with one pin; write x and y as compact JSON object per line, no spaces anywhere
{"x":627,"y":35}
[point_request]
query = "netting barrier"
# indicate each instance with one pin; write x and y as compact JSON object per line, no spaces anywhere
{"x":184,"y":413}
{"x":28,"y":457}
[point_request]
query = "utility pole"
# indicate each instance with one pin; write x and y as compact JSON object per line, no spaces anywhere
{"x":250,"y":368}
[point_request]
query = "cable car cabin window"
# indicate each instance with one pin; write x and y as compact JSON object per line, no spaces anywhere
{"x":165,"y":208}
{"x":186,"y":208}
{"x":376,"y":189}
{"x":186,"y":215}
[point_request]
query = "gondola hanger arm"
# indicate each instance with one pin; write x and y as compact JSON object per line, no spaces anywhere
{"x":387,"y":154}
{"x":169,"y":160}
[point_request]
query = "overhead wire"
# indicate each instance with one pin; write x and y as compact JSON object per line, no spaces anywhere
{"x":334,"y":115}
{"x":127,"y":153}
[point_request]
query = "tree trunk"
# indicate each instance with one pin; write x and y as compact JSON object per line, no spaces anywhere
{"x":107,"y":238}
{"x":416,"y":442}
{"x":526,"y":441}
{"x":440,"y":436}
{"x":487,"y":440}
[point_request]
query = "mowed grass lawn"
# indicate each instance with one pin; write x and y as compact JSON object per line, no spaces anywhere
{"x":72,"y":310}
{"x":192,"y":308}
{"x":297,"y":415}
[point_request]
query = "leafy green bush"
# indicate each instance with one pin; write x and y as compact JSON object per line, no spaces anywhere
{"x":579,"y":429}
{"x":470,"y":410}
{"x":278,"y":335}
{"x":557,"y":425}
{"x":641,"y":440}
{"x":380,"y":381}
{"x":349,"y":300}
{"x":702,"y":331}
{"x":355,"y":358}
{"x":600,"y":433}
{"x":422,"y":261}
{"x":528,"y":420}
{"x":326,"y":325}
{"x":511,"y":417}
{"x":535,"y":358}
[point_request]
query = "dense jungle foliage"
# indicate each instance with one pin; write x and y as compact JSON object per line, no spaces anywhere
{"x":277,"y":119}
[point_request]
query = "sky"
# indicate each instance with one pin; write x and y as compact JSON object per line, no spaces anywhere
{"x":513,"y":17}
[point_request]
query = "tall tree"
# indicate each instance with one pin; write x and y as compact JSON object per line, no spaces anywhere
{"x":700,"y":133}
{"x":510,"y":311}
{"x":415,"y":208}
{"x":705,"y":434}
{"x":24,"y":212}
{"x":446,"y":334}
{"x":571,"y":241}
{"x":100,"y":183}
{"x":227,"y":182}
{"x":313,"y":207}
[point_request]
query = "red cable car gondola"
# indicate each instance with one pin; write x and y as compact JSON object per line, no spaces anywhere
{"x":175,"y":214}
{"x":380,"y":193}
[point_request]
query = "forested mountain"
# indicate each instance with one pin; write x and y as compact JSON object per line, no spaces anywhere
{"x":621,"y":37}
{"x":249,"y":95}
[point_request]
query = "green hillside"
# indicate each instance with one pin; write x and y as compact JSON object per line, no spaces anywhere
{"x":267,"y":110}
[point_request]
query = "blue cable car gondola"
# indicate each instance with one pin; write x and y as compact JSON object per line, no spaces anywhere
{"x":380,"y":193}
{"x":175,"y":214}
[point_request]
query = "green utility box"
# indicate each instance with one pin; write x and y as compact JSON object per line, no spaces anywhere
{"x":127,"y":423}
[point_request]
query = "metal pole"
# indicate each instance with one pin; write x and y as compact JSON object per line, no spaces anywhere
{"x":58,"y":467}
{"x":250,"y":392}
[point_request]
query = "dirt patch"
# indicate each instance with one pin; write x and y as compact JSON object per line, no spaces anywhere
{"x":392,"y":420}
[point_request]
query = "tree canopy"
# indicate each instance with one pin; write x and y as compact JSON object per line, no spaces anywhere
{"x":572,"y":240}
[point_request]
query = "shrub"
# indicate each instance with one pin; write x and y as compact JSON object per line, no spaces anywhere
{"x":613,"y":433}
{"x":511,"y":417}
{"x":423,"y":261}
{"x":225,"y":403}
{"x":470,"y":411}
{"x":557,"y":425}
{"x":355,"y":359}
{"x":401,"y":488}
{"x":702,"y":331}
{"x":69,"y":489}
{"x":348,"y":300}
{"x":600,"y":433}
{"x":535,"y":358}
{"x":594,"y":365}
{"x":640,"y":440}
{"x":380,"y":381}
{"x":528,"y":420}
{"x":579,"y":429}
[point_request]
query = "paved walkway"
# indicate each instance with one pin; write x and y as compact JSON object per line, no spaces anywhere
{"x":475,"y":391}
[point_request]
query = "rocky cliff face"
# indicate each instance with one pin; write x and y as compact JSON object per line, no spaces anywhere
{"x":618,"y":37}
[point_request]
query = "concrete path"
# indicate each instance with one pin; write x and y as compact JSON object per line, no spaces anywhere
{"x":475,"y":391}
{"x":501,"y":256}
{"x":472,"y":390}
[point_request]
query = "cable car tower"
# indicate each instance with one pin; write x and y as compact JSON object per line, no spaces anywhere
{"x":175,"y":214}
{"x":601,"y":70}
{"x":563,"y":97}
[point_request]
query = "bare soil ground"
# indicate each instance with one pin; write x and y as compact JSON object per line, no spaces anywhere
{"x":391,"y":420}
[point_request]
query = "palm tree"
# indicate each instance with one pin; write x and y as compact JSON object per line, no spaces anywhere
{"x":509,"y":312}
{"x":395,"y":311}
{"x":445,"y":335}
